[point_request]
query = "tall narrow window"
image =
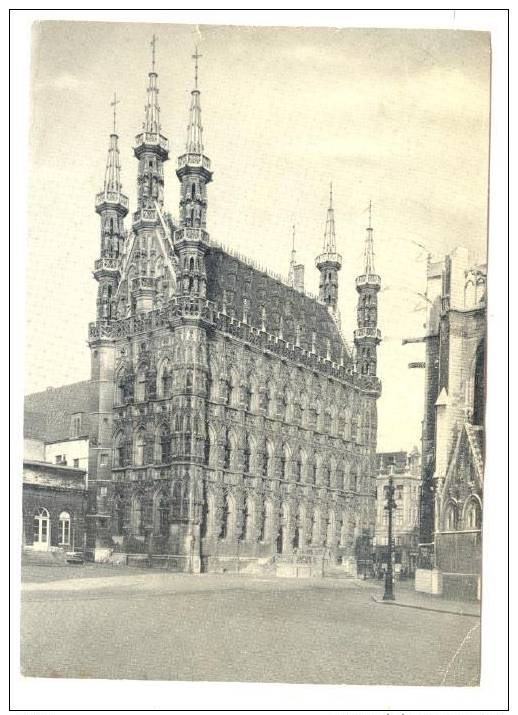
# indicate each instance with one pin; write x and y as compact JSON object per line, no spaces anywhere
{"x":140,"y":443}
{"x":41,"y":528}
{"x":246,"y":455}
{"x":64,"y":528}
{"x":136,"y":516}
{"x":141,"y":386}
{"x":163,"y":516}
{"x":165,"y":446}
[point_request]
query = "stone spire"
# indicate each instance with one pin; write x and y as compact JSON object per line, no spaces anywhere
{"x":194,"y":143}
{"x":112,"y":177}
{"x":329,"y":234}
{"x":367,"y":336}
{"x":329,"y":262}
{"x":112,"y":207}
{"x":152,"y":120}
{"x":152,"y":150}
{"x":369,"y":246}
{"x":194,"y":173}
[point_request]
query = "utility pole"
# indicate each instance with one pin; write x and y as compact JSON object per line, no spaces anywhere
{"x":388,"y":594}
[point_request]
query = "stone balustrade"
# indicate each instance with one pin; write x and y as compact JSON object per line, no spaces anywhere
{"x":182,"y":307}
{"x":368,"y":279}
{"x":152,"y":139}
{"x":367,"y":332}
{"x":194,"y":160}
{"x":111,"y":197}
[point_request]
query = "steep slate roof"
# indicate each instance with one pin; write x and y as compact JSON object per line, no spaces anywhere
{"x":47,"y":414}
{"x":230,"y":280}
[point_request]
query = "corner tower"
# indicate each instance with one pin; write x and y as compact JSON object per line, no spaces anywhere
{"x":152,"y":150}
{"x":112,"y":207}
{"x":329,"y":262}
{"x":194,"y":173}
{"x":367,"y":336}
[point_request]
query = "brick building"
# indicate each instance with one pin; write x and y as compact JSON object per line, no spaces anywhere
{"x":54,"y":506}
{"x":453,"y":424}
{"x":55,"y":476}
{"x":231,"y":421}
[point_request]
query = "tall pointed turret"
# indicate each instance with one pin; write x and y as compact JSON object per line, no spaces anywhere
{"x":112,"y":207}
{"x":329,"y":262}
{"x":194,"y":173}
{"x":367,"y":337}
{"x":152,"y":150}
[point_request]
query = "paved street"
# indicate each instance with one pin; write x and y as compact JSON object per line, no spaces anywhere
{"x":107,"y":622}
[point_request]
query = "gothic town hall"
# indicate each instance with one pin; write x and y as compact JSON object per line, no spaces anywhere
{"x":231,"y":424}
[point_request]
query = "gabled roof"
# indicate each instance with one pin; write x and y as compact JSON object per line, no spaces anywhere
{"x":47,"y":414}
{"x":230,"y":280}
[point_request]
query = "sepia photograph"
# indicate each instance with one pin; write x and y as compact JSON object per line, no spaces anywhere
{"x":255,"y":354}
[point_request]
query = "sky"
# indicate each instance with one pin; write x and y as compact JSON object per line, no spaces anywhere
{"x":396,"y":117}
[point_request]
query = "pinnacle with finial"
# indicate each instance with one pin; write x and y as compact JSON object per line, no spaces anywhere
{"x":114,"y":104}
{"x":153,"y":51}
{"x":196,"y":56}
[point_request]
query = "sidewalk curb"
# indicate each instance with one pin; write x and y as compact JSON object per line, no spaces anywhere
{"x":424,"y":608}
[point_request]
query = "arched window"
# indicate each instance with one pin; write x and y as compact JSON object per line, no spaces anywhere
{"x":227,"y":451}
{"x":119,"y":452}
{"x":165,"y":445}
{"x":177,"y":500}
{"x":140,"y":391}
{"x":331,"y":530}
{"x":188,"y":380}
{"x":193,"y":192}
{"x":227,"y":517}
{"x":166,"y":380}
{"x":248,"y":397}
{"x":285,"y":457}
{"x":140,"y":444}
{"x":267,"y":521}
{"x":326,"y":476}
{"x":450,"y":517}
{"x":163,"y":515}
{"x":136,"y":516}
{"x":268,"y":458}
{"x":315,"y":538}
{"x":472,"y":516}
{"x":314,"y":474}
{"x":191,"y":263}
{"x":246,"y":455}
{"x":248,"y":519}
{"x":298,"y":467}
{"x":41,"y":535}
{"x":64,"y":528}
{"x":119,"y":516}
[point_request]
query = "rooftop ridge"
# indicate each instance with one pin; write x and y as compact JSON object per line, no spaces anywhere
{"x":251,"y":263}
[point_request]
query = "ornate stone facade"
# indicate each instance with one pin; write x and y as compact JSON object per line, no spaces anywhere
{"x":238,"y":424}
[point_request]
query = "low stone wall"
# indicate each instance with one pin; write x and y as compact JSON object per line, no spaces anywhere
{"x":461,"y":587}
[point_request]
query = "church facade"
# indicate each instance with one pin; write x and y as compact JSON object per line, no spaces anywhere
{"x":233,"y":424}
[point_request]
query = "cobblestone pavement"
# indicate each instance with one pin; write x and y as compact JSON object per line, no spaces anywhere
{"x":108,"y":622}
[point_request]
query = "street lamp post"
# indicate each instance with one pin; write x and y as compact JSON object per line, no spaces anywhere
{"x":388,"y":594}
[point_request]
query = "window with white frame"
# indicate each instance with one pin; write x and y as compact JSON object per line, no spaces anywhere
{"x":64,"y":528}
